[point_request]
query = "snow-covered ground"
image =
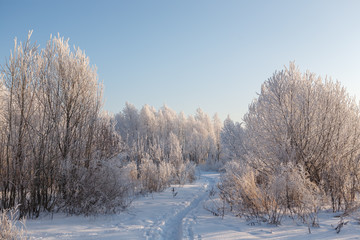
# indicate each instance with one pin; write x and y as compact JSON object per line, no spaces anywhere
{"x":180,"y":214}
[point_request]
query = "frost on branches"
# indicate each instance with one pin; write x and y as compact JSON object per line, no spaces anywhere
{"x":166,"y":146}
{"x":56,"y":142}
{"x":300,"y":146}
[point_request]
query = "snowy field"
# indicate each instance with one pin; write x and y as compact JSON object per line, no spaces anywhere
{"x":180,"y":214}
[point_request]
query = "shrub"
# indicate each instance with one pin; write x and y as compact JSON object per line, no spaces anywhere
{"x":267,"y":197}
{"x":10,"y":228}
{"x":102,"y":188}
{"x":149,"y":176}
{"x":166,"y":173}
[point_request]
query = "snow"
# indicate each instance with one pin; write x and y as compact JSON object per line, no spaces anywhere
{"x":180,"y":214}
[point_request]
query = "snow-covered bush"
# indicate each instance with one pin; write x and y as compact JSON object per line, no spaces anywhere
{"x":166,"y":174}
{"x":103,"y":187}
{"x":129,"y":175}
{"x":268,"y":197}
{"x":239,"y":190}
{"x":292,"y":190}
{"x":10,"y":228}
{"x":213,"y":165}
{"x":188,"y":173}
{"x":149,"y":175}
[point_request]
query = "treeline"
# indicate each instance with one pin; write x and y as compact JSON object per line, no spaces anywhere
{"x":167,"y":144}
{"x":300,"y":150}
{"x":150,"y":132}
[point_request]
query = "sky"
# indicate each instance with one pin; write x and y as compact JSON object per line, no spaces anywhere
{"x":212,"y":55}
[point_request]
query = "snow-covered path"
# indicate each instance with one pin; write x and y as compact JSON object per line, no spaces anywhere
{"x":165,"y":216}
{"x":170,"y":226}
{"x":156,"y":216}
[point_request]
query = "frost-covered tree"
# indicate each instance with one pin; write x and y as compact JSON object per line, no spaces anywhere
{"x":173,"y":142}
{"x":146,"y":130}
{"x":232,"y":137}
{"x":216,"y":145}
{"x":54,"y":134}
{"x":300,"y":120}
{"x":19,"y":76}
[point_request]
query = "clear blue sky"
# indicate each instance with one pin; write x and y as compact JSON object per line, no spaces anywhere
{"x":189,"y":54}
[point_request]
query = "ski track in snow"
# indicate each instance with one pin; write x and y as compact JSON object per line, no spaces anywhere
{"x":173,"y":226}
{"x":190,"y":218}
